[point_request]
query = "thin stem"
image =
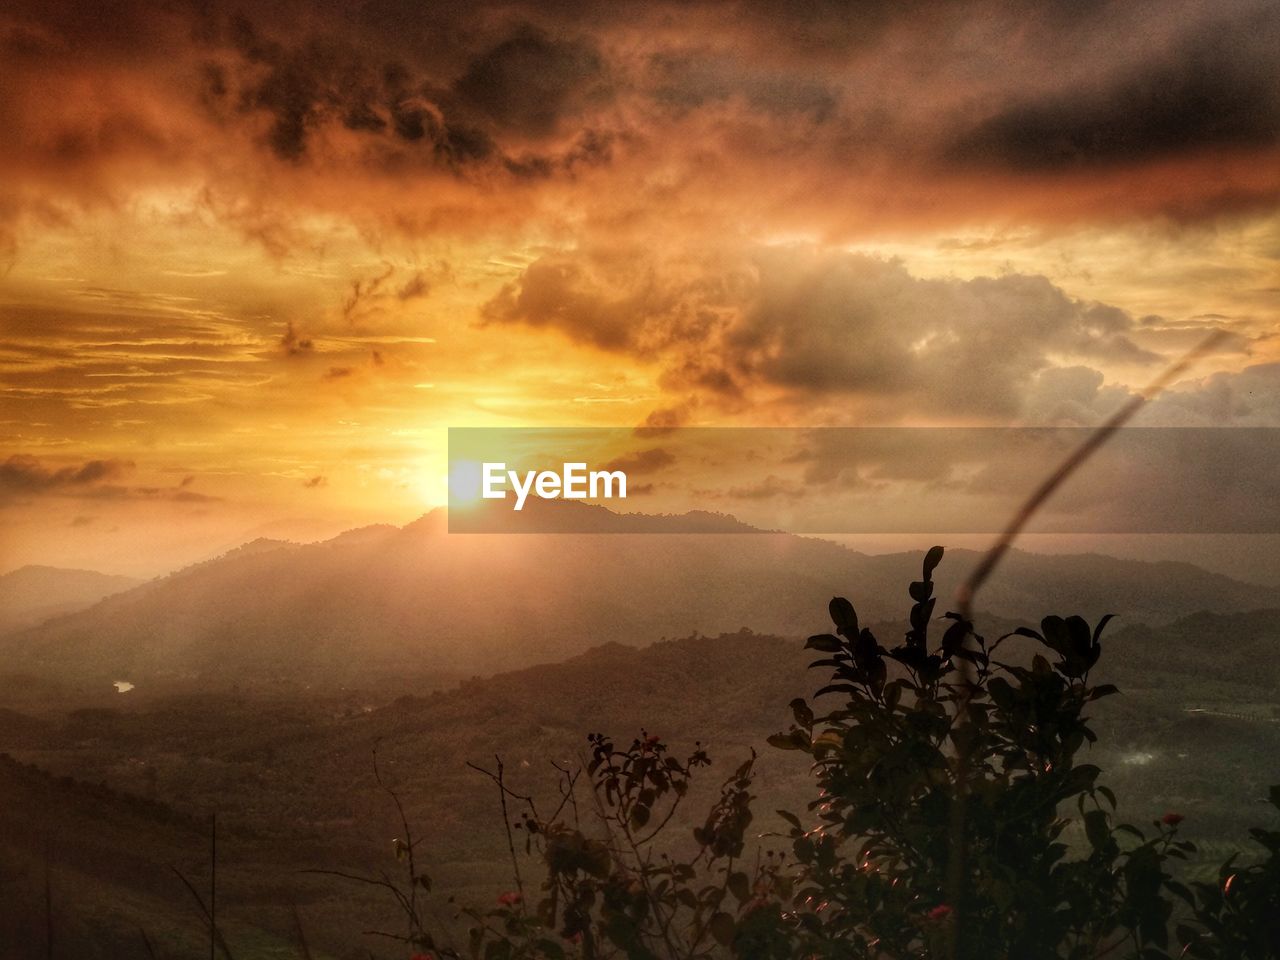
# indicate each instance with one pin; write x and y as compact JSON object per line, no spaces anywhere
{"x":499,"y":779}
{"x":986,"y":566}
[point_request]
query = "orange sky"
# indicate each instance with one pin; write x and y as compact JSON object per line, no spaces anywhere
{"x":254,"y":266}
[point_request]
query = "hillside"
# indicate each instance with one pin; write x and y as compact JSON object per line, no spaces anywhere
{"x":416,"y":601}
{"x":32,"y":594}
{"x":293,"y":784}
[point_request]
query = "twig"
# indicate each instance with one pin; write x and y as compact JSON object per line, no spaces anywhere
{"x":568,"y":792}
{"x":204,"y":910}
{"x":1070,"y":465}
{"x":410,"y":902}
{"x":498,"y":778}
{"x":213,"y":881}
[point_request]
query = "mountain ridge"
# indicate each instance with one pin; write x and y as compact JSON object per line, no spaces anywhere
{"x":411,"y":600}
{"x":35,"y":592}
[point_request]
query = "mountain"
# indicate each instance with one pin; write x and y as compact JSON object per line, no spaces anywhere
{"x":387,"y":602}
{"x":33,"y":594}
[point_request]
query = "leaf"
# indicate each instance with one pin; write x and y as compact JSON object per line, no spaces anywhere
{"x":953,"y":639}
{"x":892,"y":694}
{"x":843,"y":616}
{"x":920,"y":615}
{"x":739,"y":886}
{"x":1078,"y":635}
{"x":1095,"y":828}
{"x":1097,"y":631}
{"x":1055,"y":636}
{"x":722,"y":927}
{"x":791,"y":818}
{"x":802,"y":713}
{"x":836,"y":688}
{"x":931,"y":560}
{"x":825,"y":642}
{"x":787,"y":741}
{"x":920,"y":590}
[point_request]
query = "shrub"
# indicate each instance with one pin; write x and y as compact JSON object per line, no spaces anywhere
{"x":952,"y":819}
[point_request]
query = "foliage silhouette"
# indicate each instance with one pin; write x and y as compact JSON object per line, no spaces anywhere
{"x":916,"y":731}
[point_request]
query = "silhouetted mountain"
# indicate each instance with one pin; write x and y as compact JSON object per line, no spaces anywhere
{"x":33,"y":594}
{"x":418,"y":601}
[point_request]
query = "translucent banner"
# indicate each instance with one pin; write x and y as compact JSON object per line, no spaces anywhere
{"x":879,"y":480}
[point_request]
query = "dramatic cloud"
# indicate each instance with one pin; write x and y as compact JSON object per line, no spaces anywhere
{"x":814,"y":324}
{"x":502,"y":111}
{"x":263,"y":243}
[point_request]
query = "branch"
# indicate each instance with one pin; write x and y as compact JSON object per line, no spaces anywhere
{"x":503,"y":791}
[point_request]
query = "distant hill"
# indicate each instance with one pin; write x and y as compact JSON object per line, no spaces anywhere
{"x":1238,"y":650}
{"x":292,"y":779}
{"x":417,"y":601}
{"x":32,"y":594}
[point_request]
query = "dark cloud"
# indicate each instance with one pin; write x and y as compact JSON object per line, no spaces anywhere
{"x":772,"y":487}
{"x":691,"y":80}
{"x":370,"y":295}
{"x":643,"y":461}
{"x":835,"y":114}
{"x":304,"y":85}
{"x":666,"y":420}
{"x":530,"y":81}
{"x":174,"y":494}
{"x":521,"y":87}
{"x":618,"y":303}
{"x":23,"y":475}
{"x":313,"y":482}
{"x":294,"y":343}
{"x":1218,"y":88}
{"x":415,"y":287}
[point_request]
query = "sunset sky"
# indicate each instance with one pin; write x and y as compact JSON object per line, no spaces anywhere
{"x":255,"y":260}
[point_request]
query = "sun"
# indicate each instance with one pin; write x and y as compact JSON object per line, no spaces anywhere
{"x":464,"y":484}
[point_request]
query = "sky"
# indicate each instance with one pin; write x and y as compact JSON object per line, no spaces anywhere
{"x":256,"y":260}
